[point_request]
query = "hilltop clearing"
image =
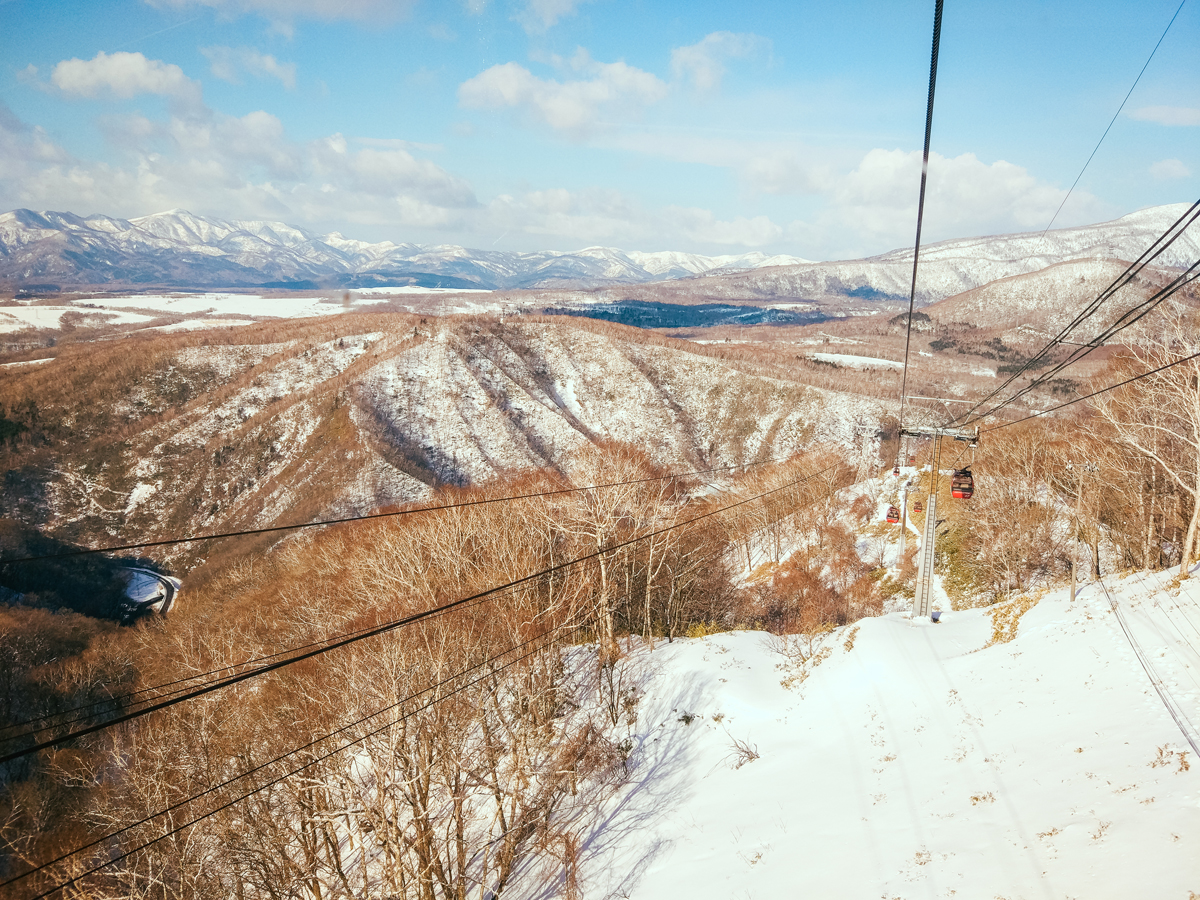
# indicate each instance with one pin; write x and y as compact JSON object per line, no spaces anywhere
{"x":897,"y":759}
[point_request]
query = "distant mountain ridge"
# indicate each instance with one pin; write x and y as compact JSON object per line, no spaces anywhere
{"x":179,"y":249}
{"x":950,"y":267}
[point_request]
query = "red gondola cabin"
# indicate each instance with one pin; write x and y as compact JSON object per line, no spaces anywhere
{"x":962,"y":485}
{"x":893,"y":515}
{"x":918,"y":507}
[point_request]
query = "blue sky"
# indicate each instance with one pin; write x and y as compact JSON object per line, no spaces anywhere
{"x":788,"y":127}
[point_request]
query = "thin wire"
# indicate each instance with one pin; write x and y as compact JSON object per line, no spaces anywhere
{"x":1163,"y":601}
{"x":276,"y":780}
{"x":128,"y":697}
{"x":912,"y":294}
{"x":180,"y":804}
{"x":1114,"y":118}
{"x":1178,"y":715}
{"x":180,"y":691}
{"x":181,"y":697}
{"x":389,"y":626}
{"x":211,"y":789}
{"x":1137,"y":312}
{"x":1111,"y":387}
{"x":273,"y":781}
{"x":383,"y":515}
{"x":1150,"y":254}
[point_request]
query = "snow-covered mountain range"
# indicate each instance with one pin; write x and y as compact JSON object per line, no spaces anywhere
{"x":951,"y":267}
{"x":179,"y":249}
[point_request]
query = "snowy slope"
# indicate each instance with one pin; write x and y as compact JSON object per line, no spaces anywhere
{"x":328,"y":417}
{"x":474,"y":402}
{"x":1045,"y":301}
{"x":950,"y":267}
{"x":915,"y":761}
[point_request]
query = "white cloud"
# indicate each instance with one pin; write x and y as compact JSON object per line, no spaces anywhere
{"x":398,"y":144}
{"x":29,"y":76}
{"x":703,"y":63}
{"x":1167,"y":115}
{"x":1169,"y":168}
{"x":238,"y":167}
{"x":702,"y":226}
{"x":604,"y":216}
{"x":123,"y":75}
{"x":541,"y":15}
{"x":785,"y":172}
{"x":572,"y":107}
{"x":965,"y":196}
{"x":762,"y":166}
{"x":228,"y":63}
{"x":593,"y":216}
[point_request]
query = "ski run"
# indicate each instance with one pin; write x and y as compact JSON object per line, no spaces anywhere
{"x":1017,"y":751}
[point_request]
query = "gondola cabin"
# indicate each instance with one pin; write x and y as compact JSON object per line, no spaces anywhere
{"x":918,"y":507}
{"x":893,"y":515}
{"x":962,"y":484}
{"x":896,"y":470}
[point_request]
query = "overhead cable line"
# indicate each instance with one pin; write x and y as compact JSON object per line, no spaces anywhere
{"x":1075,"y":183}
{"x":1152,"y":252}
{"x":912,"y":294}
{"x":1128,"y":318}
{"x":142,"y":545}
{"x":128,"y":698}
{"x":181,"y":691}
{"x":182,"y":803}
{"x":388,"y":626}
{"x":276,"y":780}
{"x":226,"y":668}
{"x":1111,"y":387}
{"x":1159,"y":246}
{"x":1176,"y":712}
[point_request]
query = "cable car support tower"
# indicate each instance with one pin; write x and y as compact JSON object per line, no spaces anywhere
{"x":923,"y":600}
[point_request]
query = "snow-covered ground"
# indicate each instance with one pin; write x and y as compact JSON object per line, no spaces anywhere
{"x":223,"y":304}
{"x":909,"y":760}
{"x":204,"y":310}
{"x":18,"y":318}
{"x":858,"y":362}
{"x":219,"y":310}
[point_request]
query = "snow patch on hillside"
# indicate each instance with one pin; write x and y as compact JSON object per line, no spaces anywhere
{"x":858,"y":362}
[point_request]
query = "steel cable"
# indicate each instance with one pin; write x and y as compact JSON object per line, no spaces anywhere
{"x":386,"y":627}
{"x":912,"y":294}
{"x":1134,"y":268}
{"x":244,"y":663}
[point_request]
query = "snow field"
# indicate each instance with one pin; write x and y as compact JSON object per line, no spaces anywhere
{"x":905,"y":760}
{"x":858,"y":362}
{"x":19,"y":318}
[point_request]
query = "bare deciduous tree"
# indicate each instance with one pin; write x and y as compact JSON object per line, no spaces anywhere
{"x":1158,"y":416}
